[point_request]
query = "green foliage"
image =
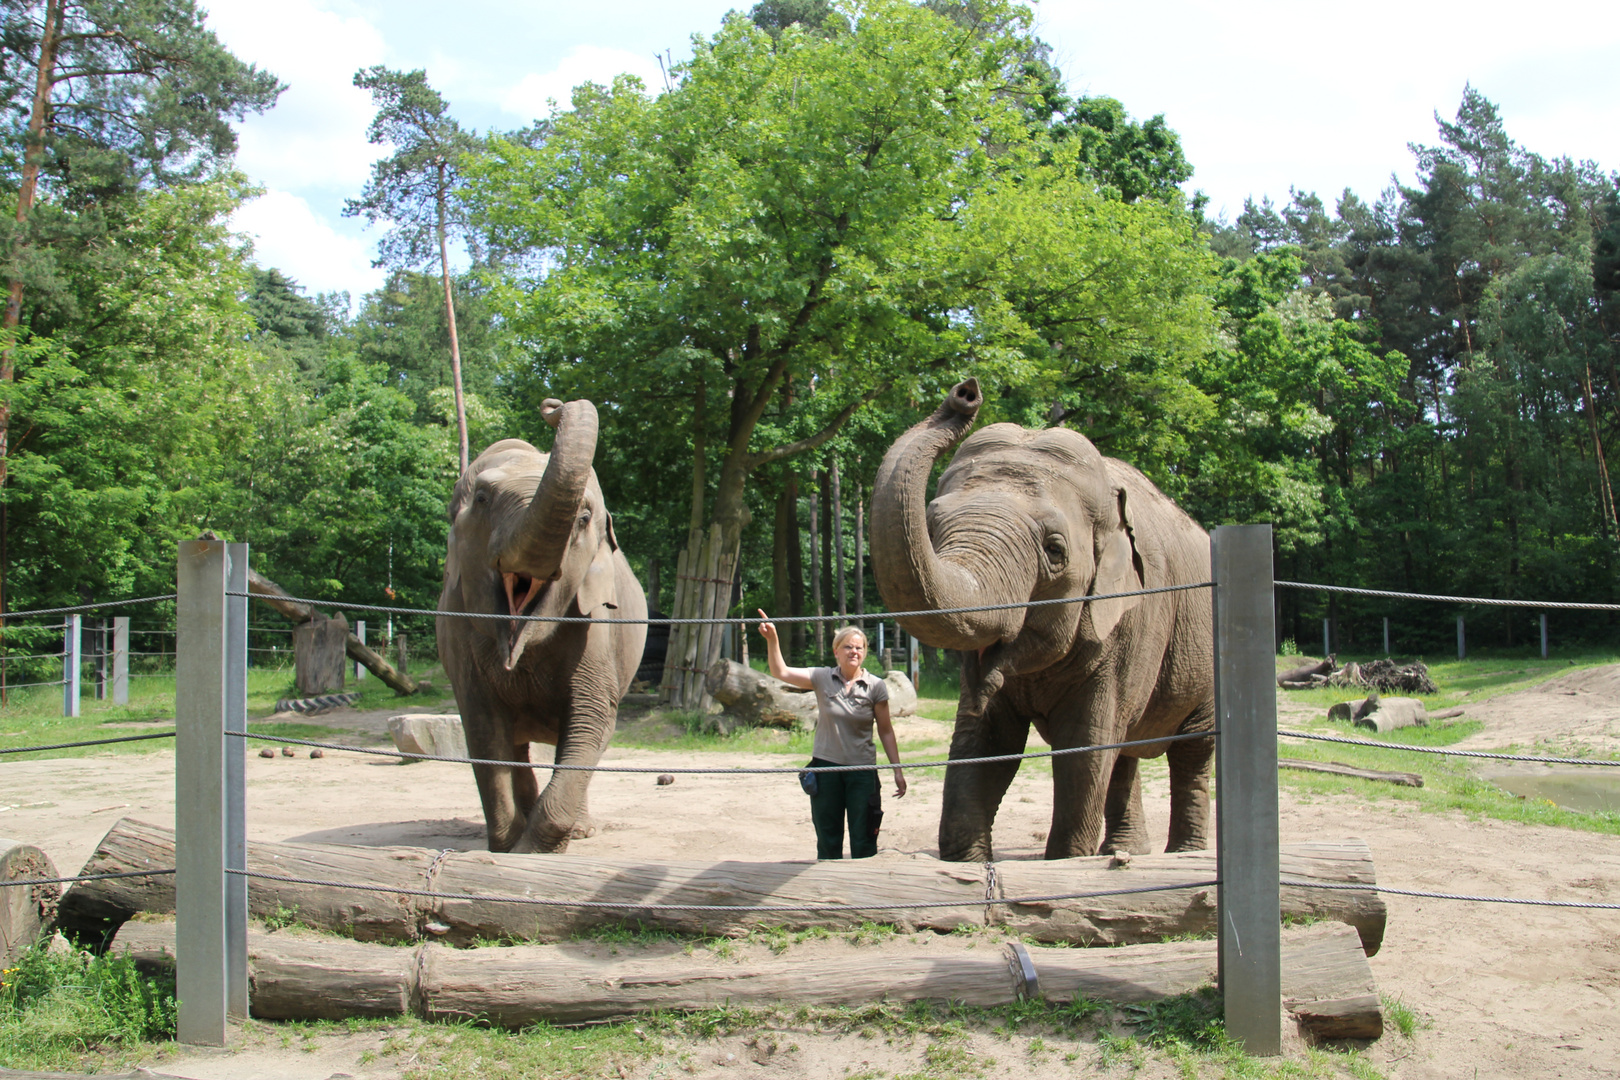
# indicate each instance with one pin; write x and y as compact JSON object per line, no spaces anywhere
{"x":57,"y":1006}
{"x":1192,"y":1020}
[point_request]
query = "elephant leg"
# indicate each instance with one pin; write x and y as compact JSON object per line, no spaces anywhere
{"x":491,"y":738}
{"x":973,"y":793}
{"x":1124,"y":825}
{"x":582,"y":737}
{"x":1080,"y":782}
{"x":1190,"y":766}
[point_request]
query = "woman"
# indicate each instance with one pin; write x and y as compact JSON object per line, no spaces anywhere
{"x":850,"y":703}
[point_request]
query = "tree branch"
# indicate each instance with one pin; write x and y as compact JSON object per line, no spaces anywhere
{"x":820,"y":438}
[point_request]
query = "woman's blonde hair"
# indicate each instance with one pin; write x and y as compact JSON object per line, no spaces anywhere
{"x":846,"y":632}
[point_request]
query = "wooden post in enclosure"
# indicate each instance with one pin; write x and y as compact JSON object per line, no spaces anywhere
{"x":200,"y":706}
{"x":1250,"y":907}
{"x":1327,"y":637}
{"x":120,"y":660}
{"x":704,"y":577}
{"x":72,"y":639}
{"x":1462,"y":644}
{"x":1544,"y":635}
{"x":236,"y":886}
{"x":98,"y":646}
{"x":914,"y":663}
{"x":1386,"y":636}
{"x":359,"y":632}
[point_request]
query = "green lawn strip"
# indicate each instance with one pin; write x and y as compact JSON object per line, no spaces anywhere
{"x":34,"y":717}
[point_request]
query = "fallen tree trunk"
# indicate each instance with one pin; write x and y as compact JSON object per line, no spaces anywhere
{"x":268,"y":591}
{"x":1405,"y":779}
{"x":1327,"y":983}
{"x":1302,"y":675}
{"x":878,"y":889}
{"x":758,"y":699}
{"x":26,"y":911}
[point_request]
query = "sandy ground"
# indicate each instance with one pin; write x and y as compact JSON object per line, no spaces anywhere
{"x":1502,"y":990}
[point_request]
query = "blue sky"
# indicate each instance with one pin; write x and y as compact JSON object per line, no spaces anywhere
{"x":1263,"y":94}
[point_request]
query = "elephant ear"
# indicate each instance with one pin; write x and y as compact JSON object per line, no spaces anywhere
{"x":1119,"y":569}
{"x":599,"y":589}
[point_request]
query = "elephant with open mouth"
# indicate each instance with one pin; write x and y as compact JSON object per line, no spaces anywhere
{"x":530,"y":536}
{"x":1028,"y":515}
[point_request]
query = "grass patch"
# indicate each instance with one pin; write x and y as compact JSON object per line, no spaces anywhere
{"x":1450,"y":783}
{"x":61,"y":1007}
{"x":34,"y":716}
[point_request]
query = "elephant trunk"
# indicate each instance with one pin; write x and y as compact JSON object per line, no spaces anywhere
{"x":548,"y":524}
{"x":910,"y":572}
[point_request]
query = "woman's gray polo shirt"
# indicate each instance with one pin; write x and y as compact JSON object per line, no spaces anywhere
{"x":844,"y":727}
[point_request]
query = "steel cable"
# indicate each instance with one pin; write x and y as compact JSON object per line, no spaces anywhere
{"x":1443,"y":750}
{"x":85,"y":877}
{"x":685,"y":770}
{"x":88,"y":607}
{"x":1453,"y":896}
{"x":875,"y":616}
{"x":1485,"y":600}
{"x":86,"y":742}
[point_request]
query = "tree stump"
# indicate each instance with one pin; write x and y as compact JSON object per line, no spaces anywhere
{"x":26,"y":911}
{"x":319,"y":648}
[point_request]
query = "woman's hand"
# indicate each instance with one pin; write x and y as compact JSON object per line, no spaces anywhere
{"x":799,"y":677}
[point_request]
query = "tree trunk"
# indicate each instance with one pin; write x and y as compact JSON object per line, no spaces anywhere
{"x":450,"y":316}
{"x":1327,"y":984}
{"x":99,"y":906}
{"x":33,"y":153}
{"x":835,"y":505}
{"x":795,"y":564}
{"x":827,"y":511}
{"x":757,"y":699}
{"x":860,"y":550}
{"x":268,"y":591}
{"x":815,"y":572}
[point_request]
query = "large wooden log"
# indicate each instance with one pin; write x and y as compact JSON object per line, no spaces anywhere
{"x":1327,"y":983}
{"x":26,"y":911}
{"x":269,"y":592}
{"x":756,"y":698}
{"x":886,"y":884}
{"x":1405,"y":779}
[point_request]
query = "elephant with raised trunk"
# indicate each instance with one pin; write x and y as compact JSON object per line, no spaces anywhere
{"x":529,"y":535}
{"x":1023,"y":515}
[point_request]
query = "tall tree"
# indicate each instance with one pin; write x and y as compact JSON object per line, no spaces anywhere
{"x":415,"y":190}
{"x":102,"y":98}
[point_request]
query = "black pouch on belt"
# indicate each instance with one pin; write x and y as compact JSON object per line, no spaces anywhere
{"x":874,"y":811}
{"x":807,"y":780}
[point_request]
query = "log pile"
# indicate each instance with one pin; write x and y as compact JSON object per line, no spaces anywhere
{"x":1384,"y":676}
{"x":1327,"y":984}
{"x":886,"y":883}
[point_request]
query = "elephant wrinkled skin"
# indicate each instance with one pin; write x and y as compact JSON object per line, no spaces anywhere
{"x":1025,"y":515}
{"x":529,"y":535}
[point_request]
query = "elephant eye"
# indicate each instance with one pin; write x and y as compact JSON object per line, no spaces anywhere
{"x":1055,"y":551}
{"x":585,"y":516}
{"x":482,"y":498}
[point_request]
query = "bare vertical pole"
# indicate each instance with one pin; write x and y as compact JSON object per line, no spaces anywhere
{"x":360,"y":632}
{"x":1327,"y":637}
{"x":1386,"y":636}
{"x":1544,"y":635}
{"x":100,"y":646}
{"x":914,"y":663}
{"x":1462,"y":644}
{"x":71,"y":640}
{"x":200,"y":690}
{"x":236,"y":886}
{"x":120,"y":660}
{"x":1246,"y":787}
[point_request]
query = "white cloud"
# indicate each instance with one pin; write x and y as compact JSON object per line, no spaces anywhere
{"x":584,"y":63}
{"x":315,"y":137}
{"x":291,"y":237}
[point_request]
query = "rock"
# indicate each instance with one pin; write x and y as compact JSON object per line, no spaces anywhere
{"x":665,"y":779}
{"x":267,"y":752}
{"x":433,"y":735}
{"x":1381,"y":714}
{"x":902,"y":695}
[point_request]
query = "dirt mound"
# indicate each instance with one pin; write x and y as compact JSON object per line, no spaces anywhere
{"x":1600,"y":682}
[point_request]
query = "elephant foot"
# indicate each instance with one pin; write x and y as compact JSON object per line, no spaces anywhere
{"x":584,"y":828}
{"x":1186,"y":845}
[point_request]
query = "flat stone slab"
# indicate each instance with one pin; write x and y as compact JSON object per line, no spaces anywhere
{"x":426,"y":733}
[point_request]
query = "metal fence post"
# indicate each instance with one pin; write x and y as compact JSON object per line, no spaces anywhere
{"x":236,"y":886}
{"x":99,"y":644}
{"x":199,"y":792}
{"x":1246,"y":787}
{"x":359,"y":632}
{"x":1462,"y":645}
{"x":1544,"y":635}
{"x":71,"y":641}
{"x":1386,"y":636}
{"x":1327,"y":637}
{"x":120,"y":660}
